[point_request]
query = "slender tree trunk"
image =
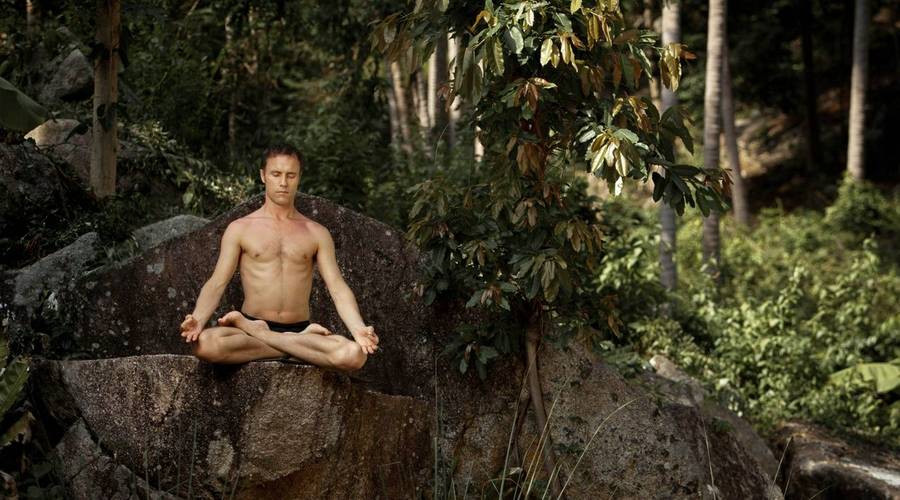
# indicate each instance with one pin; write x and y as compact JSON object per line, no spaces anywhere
{"x":228,"y":77}
{"x":421,"y":100}
{"x":105,"y":139}
{"x":739,"y":189}
{"x":396,"y":136}
{"x":453,"y":52}
{"x":811,"y":125}
{"x":401,"y":100}
{"x":671,"y":33}
{"x":712,"y":107}
{"x":437,"y":77}
{"x":856,"y":148}
{"x":653,"y":83}
{"x":32,"y":19}
{"x":533,"y":336}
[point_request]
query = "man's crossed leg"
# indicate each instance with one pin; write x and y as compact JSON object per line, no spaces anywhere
{"x":239,"y":340}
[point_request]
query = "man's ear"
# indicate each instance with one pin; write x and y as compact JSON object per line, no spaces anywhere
{"x":262,"y":175}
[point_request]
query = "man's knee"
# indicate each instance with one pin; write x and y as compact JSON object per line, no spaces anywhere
{"x":207,"y":347}
{"x":350,"y":357}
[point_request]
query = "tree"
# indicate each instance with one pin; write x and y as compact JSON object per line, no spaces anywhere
{"x":437,"y":78}
{"x":671,"y":34}
{"x":810,"y":97}
{"x":739,"y":188}
{"x":856,"y":144}
{"x":712,"y":113}
{"x":553,"y":87}
{"x":105,"y":138}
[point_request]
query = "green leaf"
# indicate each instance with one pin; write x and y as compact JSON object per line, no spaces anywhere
{"x":886,"y":376}
{"x":12,"y":380}
{"x":463,"y":365}
{"x":515,"y":36}
{"x":17,"y":432}
{"x":546,"y":51}
{"x":497,"y":57}
{"x":563,"y":22}
{"x":17,"y":110}
{"x":576,"y":4}
{"x":659,"y":186}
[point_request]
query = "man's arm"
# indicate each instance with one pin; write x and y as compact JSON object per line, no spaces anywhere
{"x":344,"y":300}
{"x":214,"y":288}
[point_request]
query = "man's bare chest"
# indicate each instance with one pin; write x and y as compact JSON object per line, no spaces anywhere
{"x":294,"y":247}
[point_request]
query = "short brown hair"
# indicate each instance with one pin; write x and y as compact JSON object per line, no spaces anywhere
{"x":282,"y":149}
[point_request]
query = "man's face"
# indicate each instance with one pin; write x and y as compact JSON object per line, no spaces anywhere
{"x":281,"y":176}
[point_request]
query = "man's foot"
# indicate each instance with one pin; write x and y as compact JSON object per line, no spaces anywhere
{"x":238,"y":320}
{"x":317,"y":329}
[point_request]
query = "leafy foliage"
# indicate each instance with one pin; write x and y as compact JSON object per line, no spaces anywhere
{"x":560,"y":78}
{"x":802,"y":315}
{"x":553,"y":86}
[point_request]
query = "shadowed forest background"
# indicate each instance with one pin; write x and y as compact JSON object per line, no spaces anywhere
{"x":792,"y":313}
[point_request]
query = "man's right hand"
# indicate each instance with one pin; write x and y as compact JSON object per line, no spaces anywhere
{"x":190,"y":328}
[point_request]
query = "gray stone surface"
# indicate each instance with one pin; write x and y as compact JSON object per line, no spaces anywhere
{"x":266,"y":430}
{"x":87,"y":473}
{"x":72,"y":78}
{"x":690,"y":392}
{"x":58,"y":138}
{"x":35,"y":284}
{"x":823,"y":465}
{"x":645,"y":444}
{"x":151,"y":235}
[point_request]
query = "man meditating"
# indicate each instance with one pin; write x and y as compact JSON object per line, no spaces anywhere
{"x":276,"y":247}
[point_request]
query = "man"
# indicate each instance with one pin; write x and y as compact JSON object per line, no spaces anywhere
{"x":276,"y":247}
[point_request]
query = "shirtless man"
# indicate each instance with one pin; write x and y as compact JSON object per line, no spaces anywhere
{"x":276,"y":247}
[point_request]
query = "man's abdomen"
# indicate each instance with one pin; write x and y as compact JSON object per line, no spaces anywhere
{"x":281,"y":297}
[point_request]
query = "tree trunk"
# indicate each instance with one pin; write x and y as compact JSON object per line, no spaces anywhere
{"x":856,"y":148}
{"x":421,"y":103}
{"x":401,"y":102}
{"x":32,"y":19}
{"x":712,"y":107}
{"x":228,"y":70}
{"x":105,"y":139}
{"x":653,"y":83}
{"x":396,"y":137}
{"x":437,"y":77}
{"x":532,"y":341}
{"x":811,"y":125}
{"x":671,"y":33}
{"x":739,"y":190}
{"x":452,"y":53}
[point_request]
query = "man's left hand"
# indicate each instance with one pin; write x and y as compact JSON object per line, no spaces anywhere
{"x":367,"y":339}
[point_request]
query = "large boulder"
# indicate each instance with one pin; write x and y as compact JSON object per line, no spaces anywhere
{"x":135,"y":306}
{"x":69,"y":141}
{"x":267,"y":430}
{"x":821,"y":465}
{"x":36,"y":195}
{"x":87,"y":472}
{"x":291,"y":431}
{"x":151,"y":235}
{"x":71,"y":78}
{"x":34,"y":284}
{"x":634,"y":438}
{"x":689,"y":391}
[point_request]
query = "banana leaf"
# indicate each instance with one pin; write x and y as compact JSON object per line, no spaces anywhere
{"x":885,"y":375}
{"x":17,"y":110}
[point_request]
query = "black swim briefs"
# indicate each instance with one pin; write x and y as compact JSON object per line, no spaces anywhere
{"x":275,"y":326}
